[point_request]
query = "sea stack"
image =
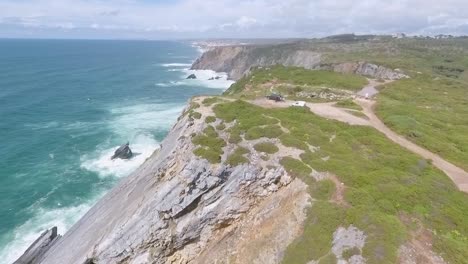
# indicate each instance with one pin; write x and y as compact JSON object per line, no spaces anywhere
{"x":123,"y":152}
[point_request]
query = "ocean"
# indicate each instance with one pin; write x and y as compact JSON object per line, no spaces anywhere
{"x":65,"y":106}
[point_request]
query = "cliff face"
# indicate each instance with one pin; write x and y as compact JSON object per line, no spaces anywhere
{"x":178,"y":208}
{"x":237,"y":61}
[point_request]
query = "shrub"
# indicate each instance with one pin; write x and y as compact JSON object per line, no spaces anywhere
{"x":221,"y":126}
{"x":266,"y":147}
{"x":210,"y":119}
{"x":237,"y":158}
{"x":194,"y":114}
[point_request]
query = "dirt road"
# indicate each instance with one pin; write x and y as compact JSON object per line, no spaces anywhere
{"x":329,"y":111}
{"x":458,"y":176}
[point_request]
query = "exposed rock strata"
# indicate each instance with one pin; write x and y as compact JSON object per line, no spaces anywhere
{"x":237,"y":61}
{"x":177,"y":208}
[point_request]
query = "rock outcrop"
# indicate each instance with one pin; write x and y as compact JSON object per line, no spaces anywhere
{"x":178,"y":208}
{"x":366,"y":69}
{"x":192,"y":76}
{"x":36,"y":251}
{"x":123,"y":152}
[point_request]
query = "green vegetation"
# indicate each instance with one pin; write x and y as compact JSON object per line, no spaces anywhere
{"x":273,"y":131}
{"x":348,"y":103}
{"x":212,"y":100}
{"x":383,"y":181}
{"x":210,"y":119}
{"x":290,"y":80}
{"x":211,"y":146}
{"x":194,"y":114}
{"x":237,"y":157}
{"x":348,"y":253}
{"x":295,"y":167}
{"x":431,"y":113}
{"x":221,"y":126}
{"x":323,"y":190}
{"x":266,"y":147}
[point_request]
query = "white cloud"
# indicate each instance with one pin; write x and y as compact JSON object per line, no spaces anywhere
{"x":241,"y":18}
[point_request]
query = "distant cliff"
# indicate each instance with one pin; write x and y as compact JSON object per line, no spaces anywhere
{"x":237,"y":61}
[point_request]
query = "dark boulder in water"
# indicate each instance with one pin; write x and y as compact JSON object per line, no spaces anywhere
{"x":123,"y":152}
{"x":192,"y":76}
{"x":214,"y":78}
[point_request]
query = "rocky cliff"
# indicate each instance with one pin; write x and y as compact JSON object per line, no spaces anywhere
{"x":237,"y":61}
{"x":178,"y":208}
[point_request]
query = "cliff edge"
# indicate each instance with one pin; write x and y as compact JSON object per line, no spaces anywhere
{"x":179,"y":208}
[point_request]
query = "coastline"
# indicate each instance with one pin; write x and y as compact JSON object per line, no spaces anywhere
{"x":94,"y":164}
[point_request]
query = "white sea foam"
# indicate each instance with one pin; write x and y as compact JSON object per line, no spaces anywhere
{"x":171,"y":65}
{"x":24,"y":235}
{"x":136,"y":125}
{"x":202,"y":80}
{"x":100,"y":162}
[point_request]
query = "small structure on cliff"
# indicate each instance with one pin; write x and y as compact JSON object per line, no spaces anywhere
{"x":123,"y":152}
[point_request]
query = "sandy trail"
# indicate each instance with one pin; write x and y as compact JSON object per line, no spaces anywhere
{"x":329,"y":111}
{"x":458,"y":176}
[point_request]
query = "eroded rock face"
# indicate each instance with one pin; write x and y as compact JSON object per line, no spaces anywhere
{"x":177,"y":208}
{"x":237,"y":61}
{"x":367,"y":69}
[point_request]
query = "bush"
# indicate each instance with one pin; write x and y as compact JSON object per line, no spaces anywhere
{"x":221,"y":126}
{"x":237,"y":158}
{"x":212,"y":156}
{"x":194,"y":114}
{"x":266,"y":147}
{"x":210,"y":119}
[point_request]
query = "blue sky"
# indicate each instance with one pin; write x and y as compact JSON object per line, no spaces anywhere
{"x":182,"y":19}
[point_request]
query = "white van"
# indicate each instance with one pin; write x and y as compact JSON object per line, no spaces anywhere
{"x":299,"y":103}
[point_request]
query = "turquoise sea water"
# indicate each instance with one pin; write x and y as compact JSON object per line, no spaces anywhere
{"x":64,"y":107}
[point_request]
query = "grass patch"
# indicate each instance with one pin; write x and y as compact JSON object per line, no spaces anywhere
{"x":348,"y":253}
{"x":348,"y":103}
{"x":194,"y":114}
{"x":210,"y":145}
{"x":298,"y":79}
{"x":431,"y":113}
{"x":237,"y":157}
{"x":221,"y":126}
{"x":323,"y":190}
{"x":211,"y":100}
{"x":266,"y":147}
{"x":295,"y":167}
{"x":210,"y":119}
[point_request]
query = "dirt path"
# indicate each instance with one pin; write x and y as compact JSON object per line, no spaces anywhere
{"x":458,"y":176}
{"x":329,"y":111}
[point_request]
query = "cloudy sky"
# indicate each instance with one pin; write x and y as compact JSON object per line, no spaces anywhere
{"x":166,"y":19}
